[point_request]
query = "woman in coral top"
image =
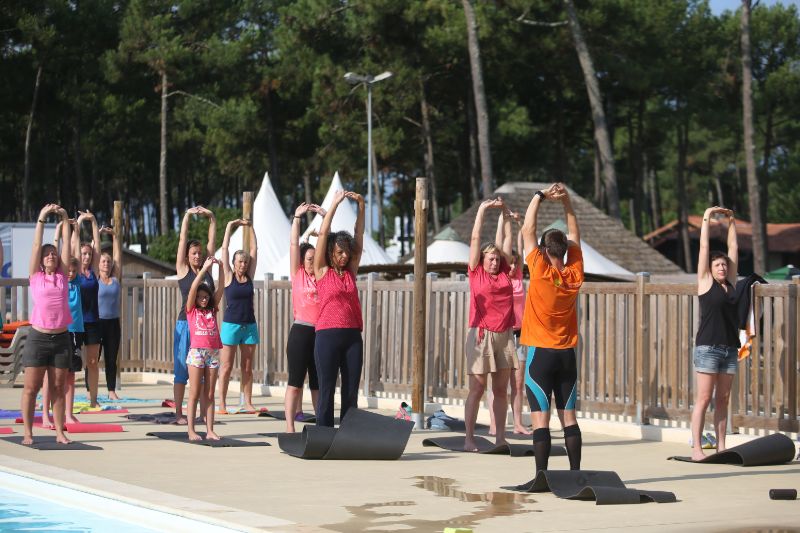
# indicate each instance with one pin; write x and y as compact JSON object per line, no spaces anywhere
{"x":305,"y":308}
{"x":338,"y":347}
{"x":47,"y":348}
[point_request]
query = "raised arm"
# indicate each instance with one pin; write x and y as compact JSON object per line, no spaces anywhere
{"x":294,"y":238}
{"x":116,"y":251}
{"x":358,"y":233}
{"x":475,"y":238}
{"x":320,"y":260}
{"x":95,"y":242}
{"x":733,"y":250}
{"x":520,"y":244}
{"x":211,"y":245}
{"x":66,"y":228}
{"x":251,"y":268}
{"x":573,"y":232}
{"x":38,"y":235}
{"x":181,"y":265}
{"x":192,"y":296}
{"x":503,"y":238}
{"x":225,"y":256}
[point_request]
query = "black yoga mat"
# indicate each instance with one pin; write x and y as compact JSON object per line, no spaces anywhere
{"x":165,"y":418}
{"x":281,"y":415}
{"x":223,"y":442}
{"x":775,"y":449}
{"x":49,"y":443}
{"x":606,"y":488}
{"x":485,"y":446}
{"x":362,"y":436}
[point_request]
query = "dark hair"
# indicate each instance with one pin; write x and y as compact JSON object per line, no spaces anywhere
{"x":343,"y":239}
{"x":74,"y":261}
{"x":84,"y":243}
{"x":555,"y":242}
{"x":191,"y":244}
{"x":304,"y":247}
{"x":716,"y":254}
{"x":205,"y":288}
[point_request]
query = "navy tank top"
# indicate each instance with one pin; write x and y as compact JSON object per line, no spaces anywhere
{"x":185,"y":284}
{"x":239,"y":302}
{"x":718,"y":320}
{"x":89,"y":288}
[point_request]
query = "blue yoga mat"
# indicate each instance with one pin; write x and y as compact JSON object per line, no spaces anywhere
{"x":14,"y":414}
{"x":105,"y":399}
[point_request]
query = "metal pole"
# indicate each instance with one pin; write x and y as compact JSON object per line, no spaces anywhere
{"x":420,"y":271}
{"x":369,"y":159}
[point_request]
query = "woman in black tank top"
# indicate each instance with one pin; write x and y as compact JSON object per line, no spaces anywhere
{"x":717,"y":341}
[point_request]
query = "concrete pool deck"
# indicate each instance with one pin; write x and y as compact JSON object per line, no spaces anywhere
{"x":263,"y":489}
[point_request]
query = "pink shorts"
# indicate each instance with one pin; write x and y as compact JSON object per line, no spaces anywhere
{"x":203,"y":358}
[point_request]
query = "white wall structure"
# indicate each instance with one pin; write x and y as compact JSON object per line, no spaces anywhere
{"x":344,"y":219}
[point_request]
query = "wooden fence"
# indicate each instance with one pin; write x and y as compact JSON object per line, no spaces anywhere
{"x":634,"y":352}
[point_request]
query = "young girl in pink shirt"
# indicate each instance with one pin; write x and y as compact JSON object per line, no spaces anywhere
{"x":204,"y":346}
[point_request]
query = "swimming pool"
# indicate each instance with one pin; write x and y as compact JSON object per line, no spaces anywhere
{"x":31,"y":505}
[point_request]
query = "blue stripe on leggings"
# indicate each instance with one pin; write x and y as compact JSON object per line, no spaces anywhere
{"x":536,"y":390}
{"x":573,"y":397}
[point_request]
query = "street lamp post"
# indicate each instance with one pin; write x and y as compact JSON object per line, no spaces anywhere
{"x":368,"y":80}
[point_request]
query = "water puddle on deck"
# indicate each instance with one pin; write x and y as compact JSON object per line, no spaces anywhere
{"x":400,"y":515}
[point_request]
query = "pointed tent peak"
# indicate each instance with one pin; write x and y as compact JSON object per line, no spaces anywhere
{"x":447,"y":234}
{"x":336,"y":185}
{"x":336,"y":182}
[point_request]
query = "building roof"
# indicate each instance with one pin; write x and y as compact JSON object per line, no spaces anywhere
{"x":781,"y":238}
{"x":603,"y":233}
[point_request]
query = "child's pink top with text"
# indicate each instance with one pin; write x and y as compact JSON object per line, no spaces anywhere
{"x":203,"y":329}
{"x":305,"y":301}
{"x":50,"y":294}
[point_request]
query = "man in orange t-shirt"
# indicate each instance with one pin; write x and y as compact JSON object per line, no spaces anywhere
{"x":550,"y":326}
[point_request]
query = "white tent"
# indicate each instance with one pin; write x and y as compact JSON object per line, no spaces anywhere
{"x":446,"y":248}
{"x":593,"y":261}
{"x":344,"y":219}
{"x":272,"y":230}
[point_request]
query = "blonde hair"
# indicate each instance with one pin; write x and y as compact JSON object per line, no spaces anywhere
{"x":489,"y":248}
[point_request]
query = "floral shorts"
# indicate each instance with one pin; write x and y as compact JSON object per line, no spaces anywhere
{"x":203,"y":358}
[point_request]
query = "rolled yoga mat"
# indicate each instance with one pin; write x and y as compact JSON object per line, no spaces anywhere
{"x":485,"y":446}
{"x":775,"y":449}
{"x":606,"y":488}
{"x":281,"y":415}
{"x":223,"y":442}
{"x":48,"y":443}
{"x":6,"y":431}
{"x":361,"y":436}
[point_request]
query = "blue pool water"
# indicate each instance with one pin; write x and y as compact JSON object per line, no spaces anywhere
{"x":20,"y":512}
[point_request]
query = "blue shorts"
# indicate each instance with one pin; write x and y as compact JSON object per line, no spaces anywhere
{"x":716,"y":359}
{"x":236,"y":334}
{"x":180,"y":347}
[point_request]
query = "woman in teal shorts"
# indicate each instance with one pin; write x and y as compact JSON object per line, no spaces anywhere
{"x":239,"y":328}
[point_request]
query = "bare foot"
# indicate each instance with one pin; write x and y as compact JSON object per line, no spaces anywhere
{"x":210,"y":435}
{"x":112,"y":395}
{"x":522,"y":430}
{"x":697,"y":455}
{"x":72,"y":420}
{"x":180,"y":421}
{"x":500,"y":441}
{"x":250,"y":407}
{"x":289,"y":428}
{"x":47,"y":424}
{"x":63,"y":439}
{"x":194,"y":436}
{"x":492,"y":430}
{"x":469,"y":446}
{"x":27,"y":440}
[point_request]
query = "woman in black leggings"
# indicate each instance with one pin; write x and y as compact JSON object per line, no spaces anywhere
{"x":108,"y":305}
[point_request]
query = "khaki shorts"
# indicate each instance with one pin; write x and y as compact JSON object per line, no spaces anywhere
{"x":495,"y":352}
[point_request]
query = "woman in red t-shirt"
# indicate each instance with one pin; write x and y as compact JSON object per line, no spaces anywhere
{"x":490,"y":339}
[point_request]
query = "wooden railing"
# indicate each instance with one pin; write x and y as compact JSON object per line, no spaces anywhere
{"x":634,"y":352}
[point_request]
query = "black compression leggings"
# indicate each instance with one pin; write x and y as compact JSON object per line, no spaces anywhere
{"x":110,"y":334}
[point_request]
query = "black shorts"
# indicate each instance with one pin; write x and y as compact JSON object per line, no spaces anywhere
{"x":300,"y":355}
{"x":76,"y":339}
{"x":91,"y":333}
{"x":47,"y":349}
{"x":551,"y":372}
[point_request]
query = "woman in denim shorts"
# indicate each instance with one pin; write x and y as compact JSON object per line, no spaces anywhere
{"x":717,"y":341}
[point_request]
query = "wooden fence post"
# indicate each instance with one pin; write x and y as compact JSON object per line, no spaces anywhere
{"x":642,"y":347}
{"x":145,"y":322}
{"x":247,"y":214}
{"x":793,"y":336}
{"x":370,"y":333}
{"x":420,"y":293}
{"x":431,"y":337}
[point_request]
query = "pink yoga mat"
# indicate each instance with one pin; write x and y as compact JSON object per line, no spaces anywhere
{"x":106,"y":412}
{"x":81,"y":427}
{"x":6,"y":431}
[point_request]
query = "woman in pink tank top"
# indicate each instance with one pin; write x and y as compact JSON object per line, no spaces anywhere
{"x":47,"y":349}
{"x":338,"y":347}
{"x":305,"y":307}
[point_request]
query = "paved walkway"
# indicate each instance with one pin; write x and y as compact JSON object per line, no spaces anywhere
{"x":426,"y":490}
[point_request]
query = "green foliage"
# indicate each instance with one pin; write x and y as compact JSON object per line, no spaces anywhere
{"x":164,"y":247}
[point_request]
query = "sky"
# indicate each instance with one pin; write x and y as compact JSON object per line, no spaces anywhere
{"x":718,"y":6}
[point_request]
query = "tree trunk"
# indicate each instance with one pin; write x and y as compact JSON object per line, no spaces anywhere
{"x":162,"y":163}
{"x":429,"y":165}
{"x":271,"y":143}
{"x":378,"y":200}
{"x":26,"y":181}
{"x":598,"y":181}
{"x":307,"y":191}
{"x":473,"y":152}
{"x":601,"y":135}
{"x":680,"y":186}
{"x":481,"y":110}
{"x":561,"y":160}
{"x":764,"y":178}
{"x":753,"y":192}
